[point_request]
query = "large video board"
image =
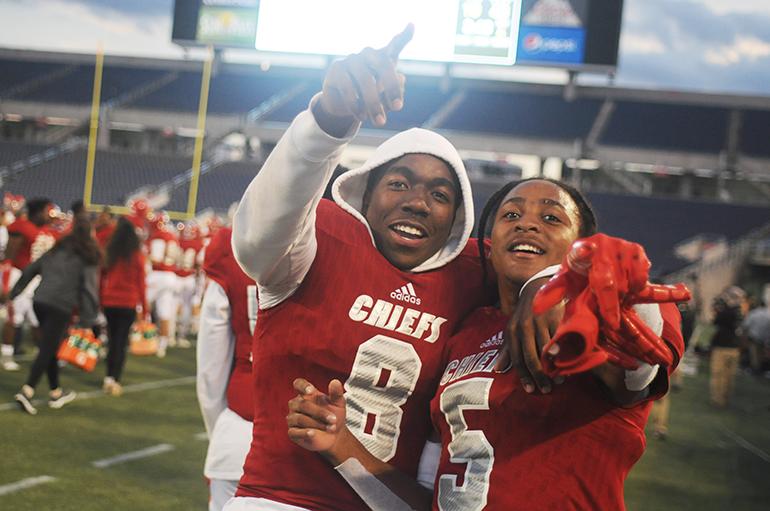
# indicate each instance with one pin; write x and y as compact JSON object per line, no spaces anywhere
{"x":575,"y":34}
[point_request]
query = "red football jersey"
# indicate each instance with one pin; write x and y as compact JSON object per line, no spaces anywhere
{"x":163,"y":248}
{"x":505,"y":449}
{"x":221,"y":267}
{"x":380,"y":331}
{"x":190,"y":252}
{"x":37,"y":240}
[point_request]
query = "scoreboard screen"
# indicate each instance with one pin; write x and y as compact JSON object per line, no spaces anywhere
{"x":573,"y":34}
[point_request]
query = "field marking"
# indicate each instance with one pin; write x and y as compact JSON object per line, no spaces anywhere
{"x":138,"y":387}
{"x":150,"y":451}
{"x":25,"y":483}
{"x":202,"y":436}
{"x":744,"y":443}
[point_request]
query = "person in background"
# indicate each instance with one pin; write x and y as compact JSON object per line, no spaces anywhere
{"x":725,"y":344}
{"x":29,"y":237}
{"x":104,"y":226}
{"x":163,"y":249}
{"x":69,"y":279}
{"x":755,"y":330}
{"x":224,"y":378}
{"x":122,"y":291}
{"x":188,"y":266}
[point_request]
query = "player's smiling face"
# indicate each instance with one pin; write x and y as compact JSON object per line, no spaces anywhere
{"x":536,"y":224}
{"x":411,"y":209}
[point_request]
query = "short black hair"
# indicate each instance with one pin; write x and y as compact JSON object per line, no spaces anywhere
{"x":78,"y":207}
{"x":375,"y":176}
{"x":588,"y":223}
{"x":37,"y":205}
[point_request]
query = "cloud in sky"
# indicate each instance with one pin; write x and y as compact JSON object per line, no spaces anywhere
{"x":66,"y":25}
{"x":686,"y":44}
{"x":131,"y":7}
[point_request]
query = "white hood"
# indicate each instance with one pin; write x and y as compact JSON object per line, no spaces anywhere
{"x":348,"y":190}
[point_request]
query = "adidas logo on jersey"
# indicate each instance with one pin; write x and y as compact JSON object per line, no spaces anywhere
{"x":495,"y":340}
{"x":406,"y":294}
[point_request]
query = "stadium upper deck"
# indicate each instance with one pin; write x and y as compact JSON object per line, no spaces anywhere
{"x":612,"y":141}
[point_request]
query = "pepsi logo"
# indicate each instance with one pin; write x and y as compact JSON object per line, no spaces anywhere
{"x":532,"y":43}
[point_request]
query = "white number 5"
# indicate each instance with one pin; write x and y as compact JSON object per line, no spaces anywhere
{"x":467,"y":446}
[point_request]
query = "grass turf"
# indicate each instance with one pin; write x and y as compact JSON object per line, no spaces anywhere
{"x":65,"y":443}
{"x":713,"y":459}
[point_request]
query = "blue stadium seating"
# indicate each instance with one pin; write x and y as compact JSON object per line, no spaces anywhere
{"x":17,"y":72}
{"x":12,"y":151}
{"x":755,"y":135}
{"x":667,"y":126}
{"x":524,"y":115}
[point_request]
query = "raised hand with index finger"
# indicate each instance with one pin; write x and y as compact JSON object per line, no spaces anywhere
{"x":365,"y":85}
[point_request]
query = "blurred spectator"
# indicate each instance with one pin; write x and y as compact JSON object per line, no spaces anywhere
{"x":755,"y":330}
{"x":4,"y":223}
{"x":29,"y":237}
{"x":725,"y":343}
{"x":122,"y":290}
{"x":163,"y":249}
{"x":78,"y":208}
{"x":689,"y":312}
{"x":69,"y":278}
{"x":188,"y":268}
{"x":104,"y":226}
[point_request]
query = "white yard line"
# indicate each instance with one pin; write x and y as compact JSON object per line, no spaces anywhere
{"x":25,"y":483}
{"x":744,"y":443}
{"x":99,"y":393}
{"x":150,"y":451}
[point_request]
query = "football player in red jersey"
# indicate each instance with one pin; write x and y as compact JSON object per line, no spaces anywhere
{"x":224,"y":382}
{"x":29,"y":237}
{"x":188,"y":267}
{"x":502,"y":448}
{"x":365,"y":289}
{"x":163,"y":249}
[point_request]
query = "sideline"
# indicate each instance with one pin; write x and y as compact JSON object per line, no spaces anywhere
{"x":138,"y":387}
{"x":121,"y":458}
{"x":25,"y":483}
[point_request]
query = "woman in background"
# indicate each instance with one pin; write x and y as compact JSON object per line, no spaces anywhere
{"x":69,"y":278}
{"x":122,"y":291}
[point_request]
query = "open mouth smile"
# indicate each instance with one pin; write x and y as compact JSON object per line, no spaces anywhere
{"x":408,"y":231}
{"x":526,"y":248}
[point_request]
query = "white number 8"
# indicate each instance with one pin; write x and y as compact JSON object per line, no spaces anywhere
{"x":383,"y":377}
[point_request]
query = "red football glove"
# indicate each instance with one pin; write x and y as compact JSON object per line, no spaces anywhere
{"x":602,"y":278}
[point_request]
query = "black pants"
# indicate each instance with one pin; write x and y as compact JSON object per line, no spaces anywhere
{"x":119,"y":321}
{"x":53,"y":327}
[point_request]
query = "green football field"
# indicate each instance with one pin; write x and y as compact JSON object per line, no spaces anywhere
{"x":145,"y":450}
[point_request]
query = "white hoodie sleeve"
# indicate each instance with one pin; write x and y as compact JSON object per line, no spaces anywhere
{"x":274,"y":226}
{"x":215,"y":352}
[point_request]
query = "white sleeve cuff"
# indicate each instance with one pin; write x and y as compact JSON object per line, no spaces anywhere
{"x":428,"y":468}
{"x":373,"y":491}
